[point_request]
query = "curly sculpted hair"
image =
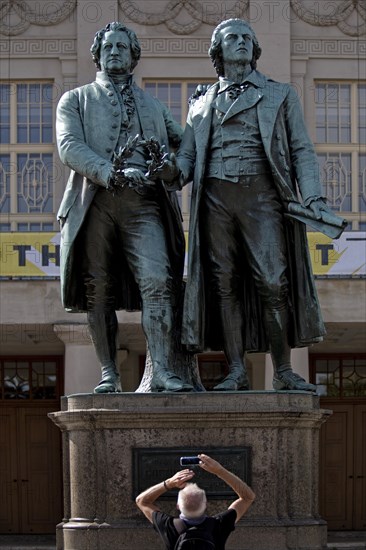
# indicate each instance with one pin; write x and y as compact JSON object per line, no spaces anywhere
{"x":116,"y":26}
{"x":215,"y":50}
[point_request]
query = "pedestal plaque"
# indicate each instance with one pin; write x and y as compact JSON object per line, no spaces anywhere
{"x":152,"y":465}
{"x":270,"y":436}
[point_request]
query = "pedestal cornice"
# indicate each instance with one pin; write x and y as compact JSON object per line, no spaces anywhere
{"x":249,"y":409}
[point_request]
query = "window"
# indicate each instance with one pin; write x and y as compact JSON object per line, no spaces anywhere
{"x":31,"y":379}
{"x":339,"y":376}
{"x":175,"y":95}
{"x":340,"y":143}
{"x":27,"y":159}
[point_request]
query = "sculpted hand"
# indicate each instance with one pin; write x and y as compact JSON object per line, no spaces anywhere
{"x":169,"y":171}
{"x":318,"y":206}
{"x":200,"y":90}
{"x":180,"y":479}
{"x":136,"y":177}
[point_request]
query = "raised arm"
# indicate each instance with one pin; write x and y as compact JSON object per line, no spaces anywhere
{"x":244,"y":492}
{"x":146,"y":500}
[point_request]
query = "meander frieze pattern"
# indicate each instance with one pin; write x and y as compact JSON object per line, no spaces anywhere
{"x":329,"y":48}
{"x":176,"y":47}
{"x":37,"y":48}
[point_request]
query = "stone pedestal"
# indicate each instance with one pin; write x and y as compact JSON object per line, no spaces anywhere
{"x":101,"y":432}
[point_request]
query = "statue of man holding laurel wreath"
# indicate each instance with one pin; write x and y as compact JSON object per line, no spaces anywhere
{"x":122,"y":238}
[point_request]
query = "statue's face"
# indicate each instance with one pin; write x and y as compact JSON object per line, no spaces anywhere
{"x":115,"y":53}
{"x":237,"y":44}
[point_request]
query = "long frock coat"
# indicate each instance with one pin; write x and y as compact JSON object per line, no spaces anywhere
{"x":87,"y":127}
{"x":294,"y":165}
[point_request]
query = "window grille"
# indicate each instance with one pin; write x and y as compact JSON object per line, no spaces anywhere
{"x":27,"y":168}
{"x":340,"y":109}
{"x":31,"y":379}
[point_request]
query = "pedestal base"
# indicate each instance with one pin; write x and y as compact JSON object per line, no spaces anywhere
{"x":101,"y":433}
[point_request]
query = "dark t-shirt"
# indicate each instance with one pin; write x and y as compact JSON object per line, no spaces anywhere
{"x":224,"y":525}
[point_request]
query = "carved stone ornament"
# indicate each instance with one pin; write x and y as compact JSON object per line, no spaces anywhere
{"x":183,"y":17}
{"x":17,"y":15}
{"x":192,"y":12}
{"x":348,"y":15}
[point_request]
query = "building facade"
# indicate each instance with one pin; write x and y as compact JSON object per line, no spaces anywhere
{"x":45,"y":352}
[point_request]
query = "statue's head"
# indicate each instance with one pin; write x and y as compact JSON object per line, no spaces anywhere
{"x":215,"y":50}
{"x":110,"y":30}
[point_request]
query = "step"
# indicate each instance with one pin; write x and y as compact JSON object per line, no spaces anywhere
{"x":27,"y":547}
{"x":347,"y":545}
{"x":27,"y":542}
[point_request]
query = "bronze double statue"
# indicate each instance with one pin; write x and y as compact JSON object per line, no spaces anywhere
{"x":250,"y":286}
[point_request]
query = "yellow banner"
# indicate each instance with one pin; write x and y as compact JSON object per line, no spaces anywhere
{"x":343,"y":256}
{"x":38,"y":254}
{"x":29,"y":254}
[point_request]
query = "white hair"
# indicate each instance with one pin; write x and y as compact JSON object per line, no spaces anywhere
{"x":192,"y":501}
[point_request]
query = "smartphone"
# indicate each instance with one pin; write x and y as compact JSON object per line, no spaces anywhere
{"x":189,"y":460}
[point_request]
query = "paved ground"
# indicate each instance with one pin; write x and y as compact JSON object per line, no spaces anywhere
{"x":347,"y":540}
{"x":27,"y":542}
{"x":342,"y":540}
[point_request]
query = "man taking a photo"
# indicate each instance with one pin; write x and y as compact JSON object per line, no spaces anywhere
{"x":192,"y":504}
